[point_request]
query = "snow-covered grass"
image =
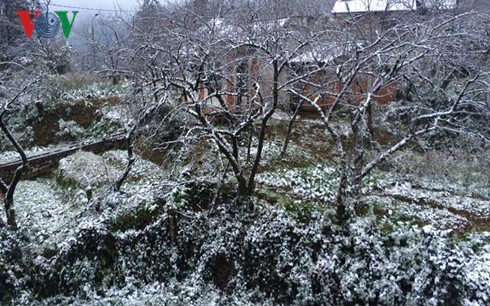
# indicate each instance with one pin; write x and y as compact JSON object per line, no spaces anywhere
{"x":456,"y":171}
{"x":417,"y":213}
{"x":429,"y":203}
{"x":79,"y":88}
{"x":318,"y":182}
{"x":47,"y":212}
{"x":50,"y":210}
{"x":477,"y":207}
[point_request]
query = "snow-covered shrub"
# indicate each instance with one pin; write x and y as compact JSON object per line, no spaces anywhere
{"x":85,"y":170}
{"x":222,"y":255}
{"x":477,"y":268}
{"x":441,"y":278}
{"x":278,"y":255}
{"x":69,"y":130}
{"x":84,"y":262}
{"x":178,"y":197}
{"x":167,"y":124}
{"x":12,"y":266}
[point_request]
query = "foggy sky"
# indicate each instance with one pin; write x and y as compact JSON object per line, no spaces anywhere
{"x":89,"y":8}
{"x":98,"y":4}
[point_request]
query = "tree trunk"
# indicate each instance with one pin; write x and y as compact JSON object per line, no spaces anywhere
{"x":172,"y":224}
{"x":243,"y":189}
{"x":342,"y":195}
{"x":9,"y":209}
{"x":358,"y":162}
{"x":263,"y":128}
{"x":10,"y":189}
{"x":129,"y":165}
{"x":11,"y":219}
{"x":290,"y":129}
{"x":250,"y":139}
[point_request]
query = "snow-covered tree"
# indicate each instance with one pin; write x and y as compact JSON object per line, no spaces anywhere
{"x":428,"y":69}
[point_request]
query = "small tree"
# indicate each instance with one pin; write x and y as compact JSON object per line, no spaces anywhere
{"x":8,"y":190}
{"x":222,"y":68}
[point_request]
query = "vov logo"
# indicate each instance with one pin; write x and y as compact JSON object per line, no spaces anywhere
{"x":46,"y":24}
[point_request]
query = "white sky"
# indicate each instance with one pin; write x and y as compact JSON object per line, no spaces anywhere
{"x":97,"y":4}
{"x":88,"y":8}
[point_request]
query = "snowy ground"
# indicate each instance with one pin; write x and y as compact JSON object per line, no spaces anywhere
{"x":51,"y":208}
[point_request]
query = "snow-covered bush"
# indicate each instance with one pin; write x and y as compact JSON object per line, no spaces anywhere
{"x":167,"y":124}
{"x":69,"y":130}
{"x":223,"y":255}
{"x":14,"y":265}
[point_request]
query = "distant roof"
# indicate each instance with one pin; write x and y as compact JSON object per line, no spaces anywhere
{"x":441,"y":4}
{"x":362,"y":6}
{"x":323,"y":55}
